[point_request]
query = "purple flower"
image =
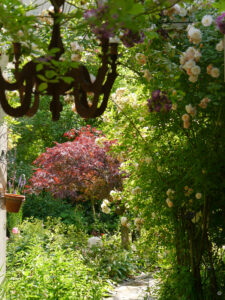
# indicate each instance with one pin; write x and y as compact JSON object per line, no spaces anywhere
{"x":130,"y":38}
{"x":159,"y":102}
{"x":90,"y":13}
{"x":220,"y":21}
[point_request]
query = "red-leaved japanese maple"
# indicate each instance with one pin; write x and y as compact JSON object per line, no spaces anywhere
{"x":79,"y":169}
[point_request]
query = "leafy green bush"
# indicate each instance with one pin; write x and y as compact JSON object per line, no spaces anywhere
{"x":45,"y":263}
{"x":111,"y":260}
{"x":43,"y":205}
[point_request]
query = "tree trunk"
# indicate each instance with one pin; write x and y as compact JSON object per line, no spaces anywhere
{"x":125,"y":242}
{"x":3,"y":183}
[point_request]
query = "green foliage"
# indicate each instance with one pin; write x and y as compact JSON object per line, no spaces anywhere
{"x":44,"y":205}
{"x":45,"y":263}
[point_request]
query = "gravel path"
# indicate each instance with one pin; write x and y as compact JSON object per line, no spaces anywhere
{"x":139,"y":288}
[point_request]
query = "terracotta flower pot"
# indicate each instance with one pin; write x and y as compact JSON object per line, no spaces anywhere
{"x":14,"y":202}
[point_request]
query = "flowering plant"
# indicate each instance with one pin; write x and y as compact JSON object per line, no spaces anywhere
{"x":19,"y":188}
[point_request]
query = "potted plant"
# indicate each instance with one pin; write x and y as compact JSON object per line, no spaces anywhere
{"x":15,"y":197}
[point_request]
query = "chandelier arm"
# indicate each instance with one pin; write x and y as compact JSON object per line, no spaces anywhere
{"x":84,"y":79}
{"x":32,"y":110}
{"x":104,"y":68}
{"x":106,"y":89}
{"x":55,"y":106}
{"x":25,"y":105}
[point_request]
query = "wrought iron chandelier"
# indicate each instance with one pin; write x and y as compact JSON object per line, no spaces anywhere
{"x":28,"y":79}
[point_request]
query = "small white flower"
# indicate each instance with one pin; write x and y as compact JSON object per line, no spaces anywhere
{"x":174,"y":106}
{"x":219,"y":293}
{"x":94,"y":241}
{"x":76,"y":57}
{"x":114,"y":40}
{"x":140,"y":58}
{"x":20,"y":33}
{"x":198,"y":195}
{"x":189,"y":64}
{"x":148,"y":160}
{"x":169,"y":203}
{"x":185,"y":117}
{"x":190,"y":110}
{"x":215,"y":72}
{"x":197,"y":55}
{"x":4,"y":59}
{"x":182,"y":12}
{"x":190,"y":52}
{"x":147,"y":75}
{"x":105,"y":208}
{"x":123,"y":221}
{"x":120,"y":92}
{"x":219,"y":46}
{"x":76,"y":47}
{"x":106,"y":202}
{"x":193,"y":78}
{"x":92,"y":77}
{"x":182,"y":59}
{"x":196,"y":70}
{"x":207,"y":20}
{"x":195,"y":35}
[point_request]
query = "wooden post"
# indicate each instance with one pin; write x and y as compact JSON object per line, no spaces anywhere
{"x":3,"y":183}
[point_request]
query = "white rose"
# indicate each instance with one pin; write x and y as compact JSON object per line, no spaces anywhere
{"x":190,"y":52}
{"x":105,"y":209}
{"x":195,"y":35}
{"x":106,"y":202}
{"x":215,"y":72}
{"x":219,"y":46}
{"x":193,"y":78}
{"x":189,"y":64}
{"x":182,"y":12}
{"x":207,"y":20}
{"x":196,"y":70}
{"x":94,"y":241}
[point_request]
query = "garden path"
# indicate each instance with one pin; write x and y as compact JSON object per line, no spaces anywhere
{"x":139,"y":288}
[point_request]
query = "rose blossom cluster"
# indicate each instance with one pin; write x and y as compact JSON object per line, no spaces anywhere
{"x":170,"y":195}
{"x":188,"y":61}
{"x":194,"y":34}
{"x":105,"y":206}
{"x":204,"y":102}
{"x":159,"y":102}
{"x":213,"y":71}
{"x":191,"y":110}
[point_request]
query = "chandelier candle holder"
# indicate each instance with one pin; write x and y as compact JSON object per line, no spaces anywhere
{"x":28,"y":79}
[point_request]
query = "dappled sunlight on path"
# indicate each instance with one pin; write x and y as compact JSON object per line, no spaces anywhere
{"x":139,"y":288}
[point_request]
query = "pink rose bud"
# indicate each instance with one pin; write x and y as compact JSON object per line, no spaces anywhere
{"x":15,"y":230}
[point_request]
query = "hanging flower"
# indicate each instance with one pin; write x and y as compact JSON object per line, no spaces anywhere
{"x":159,"y":102}
{"x":220,"y":21}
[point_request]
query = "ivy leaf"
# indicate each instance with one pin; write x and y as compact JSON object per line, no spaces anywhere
{"x":50,"y":73}
{"x":68,"y":79}
{"x":43,"y":86}
{"x":39,"y":67}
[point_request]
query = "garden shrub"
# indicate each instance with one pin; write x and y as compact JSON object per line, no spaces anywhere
{"x":44,"y":205}
{"x":45,"y":263}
